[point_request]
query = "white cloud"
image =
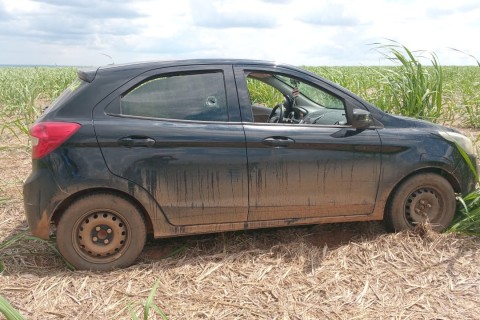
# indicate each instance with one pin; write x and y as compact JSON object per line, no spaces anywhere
{"x":232,"y":14}
{"x":305,"y":32}
{"x":328,"y":13}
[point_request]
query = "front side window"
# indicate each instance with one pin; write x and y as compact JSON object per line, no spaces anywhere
{"x":198,"y":96}
{"x":299,"y":101}
{"x":318,"y":96}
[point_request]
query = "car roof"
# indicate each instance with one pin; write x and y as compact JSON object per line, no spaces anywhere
{"x":89,"y":73}
{"x":133,"y":68}
{"x":165,"y":63}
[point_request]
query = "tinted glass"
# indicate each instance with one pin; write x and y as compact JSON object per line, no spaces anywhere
{"x":184,"y":97}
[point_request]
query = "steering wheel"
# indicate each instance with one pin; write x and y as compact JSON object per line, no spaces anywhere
{"x":274,"y":119}
{"x":288,"y":102}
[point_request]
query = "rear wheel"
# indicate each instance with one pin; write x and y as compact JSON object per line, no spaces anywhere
{"x":425,"y":197}
{"x":101,"y":232}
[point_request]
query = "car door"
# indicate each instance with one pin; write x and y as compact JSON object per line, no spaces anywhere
{"x":302,"y":170}
{"x":176,"y":133}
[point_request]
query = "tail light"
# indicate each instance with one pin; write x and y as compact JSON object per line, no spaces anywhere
{"x":48,"y":136}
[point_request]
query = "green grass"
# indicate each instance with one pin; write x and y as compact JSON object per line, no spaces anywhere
{"x":467,"y":218}
{"x":401,"y":89}
{"x":148,"y":306}
{"x":406,"y":90}
{"x":412,"y":89}
{"x":24,"y":91}
{"x":462,"y":94}
{"x":8,"y":311}
{"x":263,"y":93}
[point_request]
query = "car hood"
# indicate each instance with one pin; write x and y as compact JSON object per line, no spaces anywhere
{"x":418,"y":123}
{"x":408,"y":122}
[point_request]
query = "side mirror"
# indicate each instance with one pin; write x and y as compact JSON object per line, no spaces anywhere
{"x":361,"y":119}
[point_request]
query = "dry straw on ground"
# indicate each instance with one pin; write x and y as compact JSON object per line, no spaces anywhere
{"x":341,"y":271}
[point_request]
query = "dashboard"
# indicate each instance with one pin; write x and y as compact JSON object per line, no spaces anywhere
{"x":322,"y":116}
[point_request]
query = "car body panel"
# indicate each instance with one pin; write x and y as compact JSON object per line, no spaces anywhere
{"x":312,"y":175}
{"x":185,"y":170}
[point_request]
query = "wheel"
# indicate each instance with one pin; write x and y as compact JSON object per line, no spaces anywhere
{"x":421,"y":198}
{"x":101,"y":232}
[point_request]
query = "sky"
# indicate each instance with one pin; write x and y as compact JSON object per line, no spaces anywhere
{"x":298,"y":32}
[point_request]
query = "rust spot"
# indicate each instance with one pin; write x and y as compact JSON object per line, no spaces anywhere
{"x":42,"y":228}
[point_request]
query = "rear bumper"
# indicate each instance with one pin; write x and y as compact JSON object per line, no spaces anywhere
{"x":39,"y":192}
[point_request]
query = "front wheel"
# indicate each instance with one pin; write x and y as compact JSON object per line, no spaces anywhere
{"x":425,"y":197}
{"x":101,"y":232}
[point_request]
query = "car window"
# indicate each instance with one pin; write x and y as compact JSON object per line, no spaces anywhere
{"x":318,"y":96}
{"x":262,"y":93}
{"x":303,"y":102}
{"x":198,"y":96}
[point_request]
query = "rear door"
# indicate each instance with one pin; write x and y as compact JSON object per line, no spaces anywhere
{"x":176,"y":133}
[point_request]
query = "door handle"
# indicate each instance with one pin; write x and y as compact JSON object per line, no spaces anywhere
{"x":278,"y":142}
{"x":137,"y":142}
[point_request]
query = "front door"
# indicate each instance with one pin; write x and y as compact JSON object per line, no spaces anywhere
{"x":312,"y":163}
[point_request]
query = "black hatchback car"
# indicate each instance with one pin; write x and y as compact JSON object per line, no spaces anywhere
{"x":187,"y":147}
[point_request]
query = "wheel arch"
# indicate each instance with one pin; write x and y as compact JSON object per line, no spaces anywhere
{"x":441,"y":172}
{"x":75,"y":196}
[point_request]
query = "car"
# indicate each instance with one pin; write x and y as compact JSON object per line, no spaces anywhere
{"x":174,"y":148}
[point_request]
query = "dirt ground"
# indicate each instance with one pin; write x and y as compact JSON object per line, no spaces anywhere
{"x":339,"y":271}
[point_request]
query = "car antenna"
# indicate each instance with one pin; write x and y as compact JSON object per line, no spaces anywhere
{"x":106,"y":55}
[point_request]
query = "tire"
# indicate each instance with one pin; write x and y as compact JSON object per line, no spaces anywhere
{"x":425,"y":197}
{"x":101,"y":232}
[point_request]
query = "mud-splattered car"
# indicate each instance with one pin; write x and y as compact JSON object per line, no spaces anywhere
{"x":188,"y":147}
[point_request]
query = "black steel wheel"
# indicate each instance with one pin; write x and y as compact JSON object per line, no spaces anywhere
{"x":425,"y":197}
{"x":101,"y":232}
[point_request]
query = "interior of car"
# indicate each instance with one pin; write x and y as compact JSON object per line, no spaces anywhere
{"x":302,"y":103}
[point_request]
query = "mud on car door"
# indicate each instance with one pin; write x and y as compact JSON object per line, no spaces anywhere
{"x":300,"y":168}
{"x":176,"y":133}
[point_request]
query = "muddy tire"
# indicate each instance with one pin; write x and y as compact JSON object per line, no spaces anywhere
{"x":421,"y":198}
{"x":101,"y":232}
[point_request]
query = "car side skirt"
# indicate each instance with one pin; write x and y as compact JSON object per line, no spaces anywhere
{"x":166,"y":231}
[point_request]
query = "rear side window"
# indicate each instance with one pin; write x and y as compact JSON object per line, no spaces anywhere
{"x":198,"y":96}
